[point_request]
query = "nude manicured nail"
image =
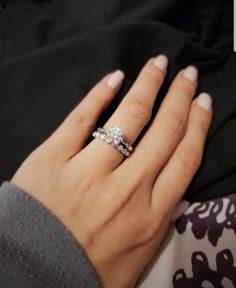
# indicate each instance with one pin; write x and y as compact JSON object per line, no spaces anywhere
{"x":116,"y":79}
{"x":180,"y":210}
{"x":204,"y":100}
{"x":161,"y":62}
{"x":191,"y":73}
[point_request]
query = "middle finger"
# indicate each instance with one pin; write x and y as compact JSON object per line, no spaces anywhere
{"x":168,"y":127}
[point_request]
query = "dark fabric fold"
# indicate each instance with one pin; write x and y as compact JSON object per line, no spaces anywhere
{"x":53,"y":52}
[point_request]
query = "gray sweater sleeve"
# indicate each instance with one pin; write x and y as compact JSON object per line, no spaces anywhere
{"x":36,"y":249}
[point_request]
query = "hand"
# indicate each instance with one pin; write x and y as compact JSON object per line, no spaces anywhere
{"x":119,"y":209}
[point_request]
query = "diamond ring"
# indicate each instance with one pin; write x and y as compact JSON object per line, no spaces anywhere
{"x":115,"y":137}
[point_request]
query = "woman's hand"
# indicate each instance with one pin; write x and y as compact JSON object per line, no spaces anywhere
{"x":119,"y":210}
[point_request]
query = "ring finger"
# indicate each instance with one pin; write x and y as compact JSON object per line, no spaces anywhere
{"x":133,"y":113}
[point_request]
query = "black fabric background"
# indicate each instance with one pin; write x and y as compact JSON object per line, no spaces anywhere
{"x":53,"y":52}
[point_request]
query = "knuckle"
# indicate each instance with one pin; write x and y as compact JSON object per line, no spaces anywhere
{"x":184,"y":87}
{"x":81,"y":120}
{"x":190,"y":159}
{"x":138,"y":113}
{"x":101,"y":99}
{"x":201,"y":122}
{"x":153,"y":74}
{"x":151,"y":229}
{"x":175,"y":125}
{"x":86,"y":185}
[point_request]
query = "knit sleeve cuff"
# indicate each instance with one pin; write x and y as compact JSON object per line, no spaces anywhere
{"x":36,"y":248}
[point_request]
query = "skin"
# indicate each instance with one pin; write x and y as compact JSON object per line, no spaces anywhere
{"x":120,"y":210}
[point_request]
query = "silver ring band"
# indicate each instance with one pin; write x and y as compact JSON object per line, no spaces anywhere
{"x":117,"y":134}
{"x":115,"y":137}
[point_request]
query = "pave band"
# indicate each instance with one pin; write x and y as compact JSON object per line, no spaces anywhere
{"x":115,"y":137}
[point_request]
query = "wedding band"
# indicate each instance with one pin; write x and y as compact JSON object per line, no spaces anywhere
{"x":115,"y":137}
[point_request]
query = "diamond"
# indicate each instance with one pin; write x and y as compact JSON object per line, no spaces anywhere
{"x":116,"y":135}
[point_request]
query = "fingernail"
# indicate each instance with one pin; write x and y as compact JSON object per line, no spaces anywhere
{"x":161,"y":62}
{"x":204,"y":100}
{"x":116,"y":79}
{"x":191,"y":73}
{"x":180,"y":210}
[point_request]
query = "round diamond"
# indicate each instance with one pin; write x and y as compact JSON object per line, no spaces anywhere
{"x":116,"y":135}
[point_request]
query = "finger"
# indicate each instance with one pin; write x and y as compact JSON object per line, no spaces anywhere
{"x":176,"y":176}
{"x":134,"y":111}
{"x":71,"y":136}
{"x":168,"y":127}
